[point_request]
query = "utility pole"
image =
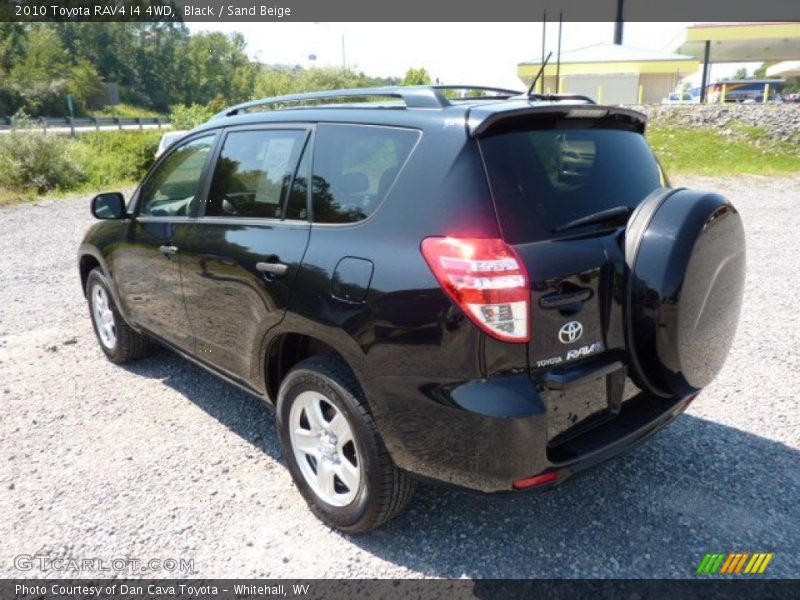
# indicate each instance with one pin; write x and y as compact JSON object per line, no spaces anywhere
{"x":558,"y":52}
{"x":618,"y":23}
{"x":544,"y":35}
{"x":344,"y":61}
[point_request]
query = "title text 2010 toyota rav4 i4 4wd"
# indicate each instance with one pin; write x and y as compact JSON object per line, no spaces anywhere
{"x":496,"y":292}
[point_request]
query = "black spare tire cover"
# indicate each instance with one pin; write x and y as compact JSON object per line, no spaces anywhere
{"x":685,"y":252}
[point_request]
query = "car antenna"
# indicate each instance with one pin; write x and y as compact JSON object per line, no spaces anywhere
{"x":539,"y":74}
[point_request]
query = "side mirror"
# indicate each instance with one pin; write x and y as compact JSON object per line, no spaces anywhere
{"x":110,"y":205}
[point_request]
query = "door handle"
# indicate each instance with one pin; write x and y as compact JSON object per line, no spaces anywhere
{"x":565,"y":299}
{"x":270,"y":268}
{"x":168,"y":250}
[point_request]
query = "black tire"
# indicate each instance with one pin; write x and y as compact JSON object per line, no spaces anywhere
{"x":129,"y":344}
{"x":384,"y":489}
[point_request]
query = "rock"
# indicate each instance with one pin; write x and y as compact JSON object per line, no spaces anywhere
{"x":779,"y":122}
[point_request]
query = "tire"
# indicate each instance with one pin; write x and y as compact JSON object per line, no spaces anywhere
{"x":353,"y":505}
{"x":117,"y":339}
{"x":685,"y":252}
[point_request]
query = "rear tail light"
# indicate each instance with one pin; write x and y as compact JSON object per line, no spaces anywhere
{"x":487,"y":280}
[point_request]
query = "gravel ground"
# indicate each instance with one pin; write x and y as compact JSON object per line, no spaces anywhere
{"x":162,"y":460}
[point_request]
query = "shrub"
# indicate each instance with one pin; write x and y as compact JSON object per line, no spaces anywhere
{"x":189,"y":117}
{"x":109,"y":157}
{"x":33,"y":160}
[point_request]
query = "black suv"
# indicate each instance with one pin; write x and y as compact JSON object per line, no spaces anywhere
{"x":496,"y":292}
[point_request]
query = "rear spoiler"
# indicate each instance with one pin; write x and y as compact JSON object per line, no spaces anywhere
{"x":482,"y":119}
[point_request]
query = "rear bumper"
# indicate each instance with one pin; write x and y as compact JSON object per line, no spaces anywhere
{"x":485,"y":434}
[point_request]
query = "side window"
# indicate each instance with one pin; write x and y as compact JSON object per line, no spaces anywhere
{"x":253,"y":173}
{"x":354,"y":167}
{"x":172,"y":187}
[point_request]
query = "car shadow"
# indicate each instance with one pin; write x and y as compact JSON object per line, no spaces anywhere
{"x":697,"y":487}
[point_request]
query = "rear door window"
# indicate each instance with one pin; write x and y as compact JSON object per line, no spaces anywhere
{"x":541,"y":179}
{"x":254,"y":172}
{"x":354,"y":168}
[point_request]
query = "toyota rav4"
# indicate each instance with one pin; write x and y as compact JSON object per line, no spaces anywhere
{"x":496,"y":292}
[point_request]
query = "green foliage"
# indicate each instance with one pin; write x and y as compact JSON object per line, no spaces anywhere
{"x":155,"y":65}
{"x":86,"y":84}
{"x":34,"y":161}
{"x":417,"y":77}
{"x":215,"y":64}
{"x":710,"y":153}
{"x":127,"y":111}
{"x":277,"y":82}
{"x":41,"y":62}
{"x":189,"y":117}
{"x":110,"y":157}
{"x":741,"y":73}
{"x":37,"y":77}
{"x":792,"y":85}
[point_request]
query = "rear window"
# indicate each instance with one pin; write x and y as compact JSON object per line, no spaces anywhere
{"x":541,"y":179}
{"x":354,"y":168}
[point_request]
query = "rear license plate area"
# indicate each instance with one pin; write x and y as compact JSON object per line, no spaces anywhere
{"x":585,"y":405}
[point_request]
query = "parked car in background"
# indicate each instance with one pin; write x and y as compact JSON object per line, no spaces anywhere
{"x":167,"y":140}
{"x":681,"y":98}
{"x":496,"y":292}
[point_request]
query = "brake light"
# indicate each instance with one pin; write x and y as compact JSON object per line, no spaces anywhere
{"x":487,"y":280}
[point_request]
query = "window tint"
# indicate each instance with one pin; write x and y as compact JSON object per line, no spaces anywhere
{"x":253,"y":173}
{"x":172,"y":187}
{"x":544,"y":178}
{"x":354,"y":167}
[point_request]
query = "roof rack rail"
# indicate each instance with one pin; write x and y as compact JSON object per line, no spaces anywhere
{"x":559,"y":97}
{"x":415,"y":96}
{"x":423,"y":96}
{"x":483,"y":88}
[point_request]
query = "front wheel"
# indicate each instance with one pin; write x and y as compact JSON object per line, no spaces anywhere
{"x":119,"y":341}
{"x":333,"y":450}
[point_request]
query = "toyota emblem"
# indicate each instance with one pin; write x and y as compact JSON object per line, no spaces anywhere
{"x":570,"y":332}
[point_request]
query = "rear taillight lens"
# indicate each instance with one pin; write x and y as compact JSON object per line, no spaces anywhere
{"x":487,"y":280}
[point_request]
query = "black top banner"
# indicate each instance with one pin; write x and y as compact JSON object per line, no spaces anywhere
{"x":405,"y":10}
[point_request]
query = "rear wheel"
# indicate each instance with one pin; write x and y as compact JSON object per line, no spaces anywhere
{"x":118,"y":340}
{"x":333,"y":450}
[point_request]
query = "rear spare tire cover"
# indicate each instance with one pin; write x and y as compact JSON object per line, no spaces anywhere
{"x":685,"y":252}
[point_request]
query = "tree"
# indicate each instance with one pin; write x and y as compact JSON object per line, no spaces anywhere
{"x":275,"y":81}
{"x":741,"y":73}
{"x":216,"y":64}
{"x":39,"y":76}
{"x":86,"y":85}
{"x":417,"y":77}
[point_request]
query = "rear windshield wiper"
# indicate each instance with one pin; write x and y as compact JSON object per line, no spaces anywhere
{"x":618,"y":214}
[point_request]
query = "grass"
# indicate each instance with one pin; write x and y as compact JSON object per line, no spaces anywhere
{"x":104,"y":161}
{"x":9,"y":197}
{"x":127,"y":111}
{"x":705,"y":152}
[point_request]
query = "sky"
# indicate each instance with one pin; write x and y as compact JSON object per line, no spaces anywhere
{"x":455,"y":53}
